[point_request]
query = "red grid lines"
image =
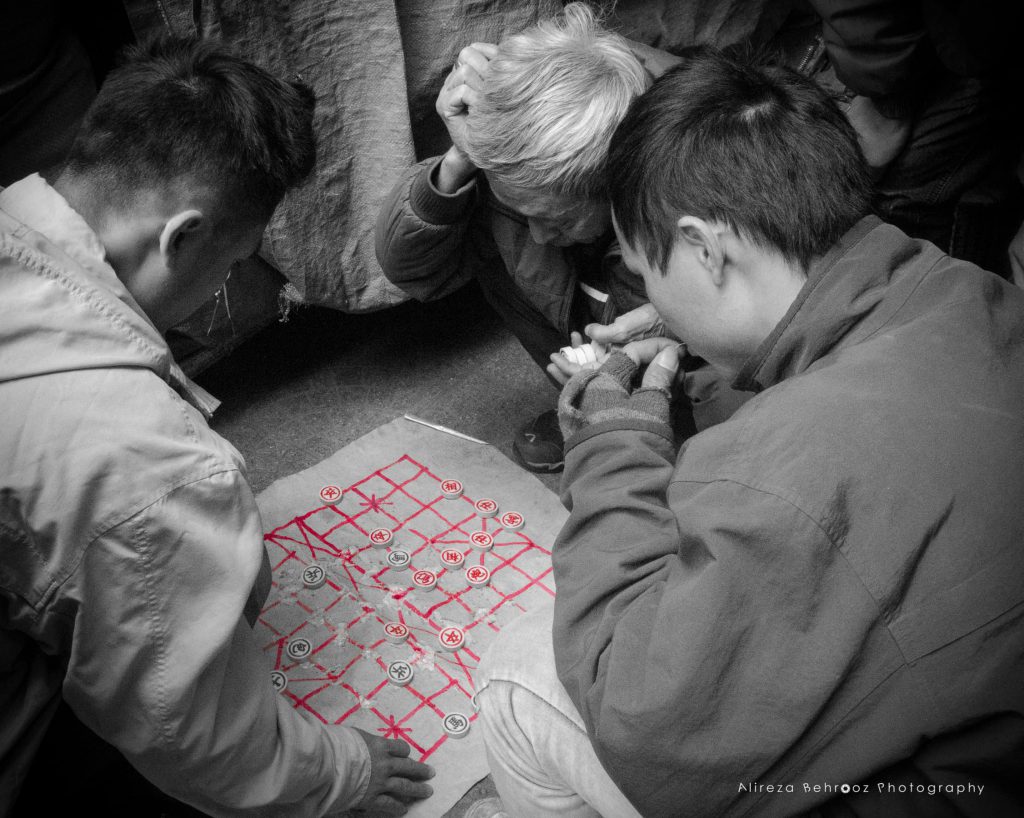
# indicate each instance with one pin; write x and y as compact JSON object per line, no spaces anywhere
{"x":344,"y":680}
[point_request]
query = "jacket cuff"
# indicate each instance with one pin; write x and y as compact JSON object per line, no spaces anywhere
{"x":662,"y":430}
{"x":435,"y":207}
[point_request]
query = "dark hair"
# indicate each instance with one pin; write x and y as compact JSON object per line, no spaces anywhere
{"x":182,"y":107}
{"x":759,"y":147}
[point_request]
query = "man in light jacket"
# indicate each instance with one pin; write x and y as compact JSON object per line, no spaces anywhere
{"x":131,"y":551}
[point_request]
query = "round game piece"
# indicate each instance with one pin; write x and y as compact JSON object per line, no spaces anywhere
{"x":477,"y":576}
{"x":512,"y":520}
{"x":314,"y":576}
{"x":452,"y":558}
{"x":456,"y":725}
{"x":299,"y":648}
{"x":486,"y":507}
{"x":396,"y":632}
{"x":481,"y":540}
{"x":424,"y":580}
{"x":451,"y":638}
{"x":380,"y":537}
{"x":330,"y":493}
{"x":278,"y":680}
{"x":399,"y":559}
{"x":451,"y":489}
{"x":400,"y":673}
{"x":581,"y":355}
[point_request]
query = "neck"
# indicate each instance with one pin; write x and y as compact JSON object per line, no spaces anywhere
{"x":768,"y":285}
{"x":129,"y":235}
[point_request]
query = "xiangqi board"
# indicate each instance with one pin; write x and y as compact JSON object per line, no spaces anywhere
{"x":389,"y":587}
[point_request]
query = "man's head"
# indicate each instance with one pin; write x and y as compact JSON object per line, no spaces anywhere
{"x":551,"y":99}
{"x":731,"y":172}
{"x":179,"y":164}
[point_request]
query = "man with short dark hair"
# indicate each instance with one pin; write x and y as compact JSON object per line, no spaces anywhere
{"x":131,"y":550}
{"x":817,"y":605}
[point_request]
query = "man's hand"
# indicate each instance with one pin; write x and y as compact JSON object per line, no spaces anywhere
{"x":459,"y":93}
{"x":605,"y":395}
{"x":643,"y":322}
{"x":881,"y":138}
{"x":660,"y":356}
{"x":561,"y":368}
{"x":395,"y":779}
{"x":653,"y":350}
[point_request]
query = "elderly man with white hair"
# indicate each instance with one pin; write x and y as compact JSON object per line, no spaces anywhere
{"x":519,"y":200}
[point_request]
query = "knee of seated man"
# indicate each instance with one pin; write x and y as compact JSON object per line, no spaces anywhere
{"x":522,"y":652}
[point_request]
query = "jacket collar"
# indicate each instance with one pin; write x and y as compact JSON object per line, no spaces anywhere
{"x":43,"y":219}
{"x":842,"y":289}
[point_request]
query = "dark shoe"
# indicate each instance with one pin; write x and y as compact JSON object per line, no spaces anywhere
{"x":538,"y":445}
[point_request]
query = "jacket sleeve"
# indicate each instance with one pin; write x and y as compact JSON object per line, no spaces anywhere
{"x":422,"y":235}
{"x":166,"y":668}
{"x":700,"y":626}
{"x":875,"y":45}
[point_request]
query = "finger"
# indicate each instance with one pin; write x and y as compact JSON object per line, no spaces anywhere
{"x":470,"y":96}
{"x":383,"y":805}
{"x":397,"y":747}
{"x":456,"y":102}
{"x":560,"y":378}
{"x":407,"y":790}
{"x":564,"y":366}
{"x":489,"y":50}
{"x":662,"y":370}
{"x":407,"y":768}
{"x":627,"y":327}
{"x":575,"y":339}
{"x":474,"y":57}
{"x":643,"y":352}
{"x":452,"y":100}
{"x":472,"y":77}
{"x":605,"y":333}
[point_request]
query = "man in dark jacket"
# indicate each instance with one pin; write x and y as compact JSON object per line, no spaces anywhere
{"x":519,"y":201}
{"x":818,"y":604}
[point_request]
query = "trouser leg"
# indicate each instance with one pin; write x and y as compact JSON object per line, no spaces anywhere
{"x":540,"y":756}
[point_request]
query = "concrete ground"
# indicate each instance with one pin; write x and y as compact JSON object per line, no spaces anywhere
{"x":298,"y":391}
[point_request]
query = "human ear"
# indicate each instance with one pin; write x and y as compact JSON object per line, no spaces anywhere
{"x":703,"y":239}
{"x":176,"y":230}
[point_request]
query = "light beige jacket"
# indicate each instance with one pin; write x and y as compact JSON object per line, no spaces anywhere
{"x":129,"y":545}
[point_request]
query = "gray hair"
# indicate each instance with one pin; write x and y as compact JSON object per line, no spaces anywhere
{"x":552,"y":98}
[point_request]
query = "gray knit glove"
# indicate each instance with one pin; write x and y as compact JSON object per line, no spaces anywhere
{"x":603,"y":395}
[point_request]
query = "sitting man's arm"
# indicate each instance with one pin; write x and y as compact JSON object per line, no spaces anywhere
{"x":695,"y":624}
{"x":167,"y":669}
{"x":425,"y":226}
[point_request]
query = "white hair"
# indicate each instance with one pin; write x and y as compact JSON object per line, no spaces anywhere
{"x":552,"y":98}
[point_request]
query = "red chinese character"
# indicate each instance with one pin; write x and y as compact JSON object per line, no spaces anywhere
{"x":451,"y":636}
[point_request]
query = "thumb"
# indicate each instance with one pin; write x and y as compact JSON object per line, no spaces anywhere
{"x":662,"y":370}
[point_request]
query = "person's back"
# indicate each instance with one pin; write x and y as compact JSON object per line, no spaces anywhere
{"x":105,"y":467}
{"x":887,"y":443}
